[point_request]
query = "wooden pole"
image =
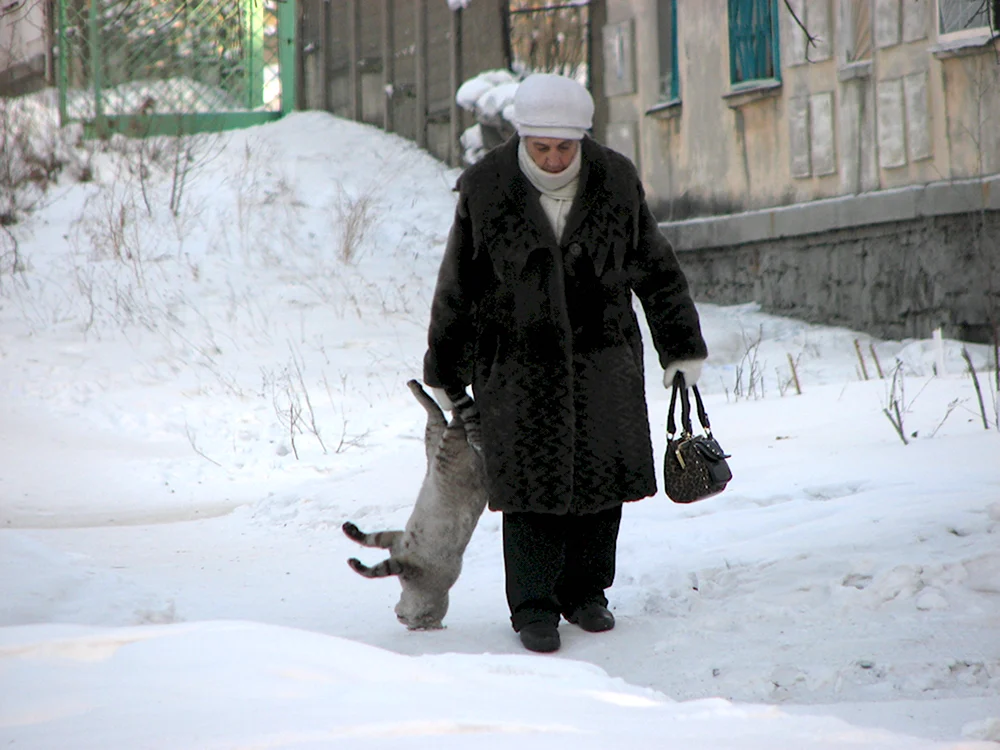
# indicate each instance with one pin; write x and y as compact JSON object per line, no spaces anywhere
{"x":388,"y":64}
{"x":354,"y":11}
{"x":50,"y":31}
{"x":454,"y":111}
{"x":325,"y":56}
{"x":421,"y":71}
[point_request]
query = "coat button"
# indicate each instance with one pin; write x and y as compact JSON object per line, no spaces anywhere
{"x":575,"y":250}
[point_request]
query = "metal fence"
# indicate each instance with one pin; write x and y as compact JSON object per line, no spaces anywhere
{"x":170,"y":67}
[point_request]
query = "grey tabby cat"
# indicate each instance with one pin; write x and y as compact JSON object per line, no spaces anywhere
{"x":427,"y":555}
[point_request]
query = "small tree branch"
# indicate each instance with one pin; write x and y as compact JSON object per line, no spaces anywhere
{"x":195,"y":448}
{"x":899,"y":427}
{"x":975,"y":381}
{"x":795,"y":375}
{"x":878,"y":365}
{"x":810,"y":39}
{"x":861,"y":358}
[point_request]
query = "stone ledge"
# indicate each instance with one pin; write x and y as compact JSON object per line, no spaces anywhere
{"x":665,"y":110}
{"x":964,"y":46}
{"x":752,"y":92}
{"x":829,"y":214}
{"x":855,"y":70}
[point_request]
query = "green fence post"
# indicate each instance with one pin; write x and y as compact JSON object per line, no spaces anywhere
{"x":287,"y":22}
{"x":63,"y":66}
{"x":96,"y":64}
{"x":255,"y":53}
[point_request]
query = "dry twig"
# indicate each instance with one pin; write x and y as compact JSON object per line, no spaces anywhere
{"x":975,"y":381}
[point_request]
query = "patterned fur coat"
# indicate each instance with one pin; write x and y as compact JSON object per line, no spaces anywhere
{"x":545,"y":332}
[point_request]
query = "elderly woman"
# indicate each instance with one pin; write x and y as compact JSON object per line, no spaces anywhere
{"x":533,"y":309}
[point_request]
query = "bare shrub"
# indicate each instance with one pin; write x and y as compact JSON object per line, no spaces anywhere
{"x":355,"y":216}
{"x":979,"y":391}
{"x":267,"y":218}
{"x":292,"y":401}
{"x":750,"y":370}
{"x":793,"y":379}
{"x":896,"y":402}
{"x":10,"y":254}
{"x":30,"y":161}
{"x":190,"y":153}
{"x":155,"y":159}
{"x":296,"y":411}
{"x":896,"y":407}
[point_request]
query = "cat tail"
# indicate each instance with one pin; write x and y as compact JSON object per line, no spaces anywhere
{"x":434,"y":413}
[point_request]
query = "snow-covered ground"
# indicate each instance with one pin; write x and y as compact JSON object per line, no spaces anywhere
{"x":193,"y":404}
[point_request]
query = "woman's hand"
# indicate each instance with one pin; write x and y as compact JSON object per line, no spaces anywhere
{"x":690,"y":367}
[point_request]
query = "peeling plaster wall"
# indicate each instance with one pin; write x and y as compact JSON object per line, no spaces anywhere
{"x":807,"y":188}
{"x":22,"y":34}
{"x":25,"y":57}
{"x":908,"y":114}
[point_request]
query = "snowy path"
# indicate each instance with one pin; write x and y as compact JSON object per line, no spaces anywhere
{"x":190,"y":410}
{"x":816,"y":630}
{"x":92,"y":478}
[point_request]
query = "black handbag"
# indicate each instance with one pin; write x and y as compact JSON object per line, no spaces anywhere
{"x":694,"y":466}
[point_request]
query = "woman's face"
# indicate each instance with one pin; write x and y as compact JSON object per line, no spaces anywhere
{"x":552,"y":155}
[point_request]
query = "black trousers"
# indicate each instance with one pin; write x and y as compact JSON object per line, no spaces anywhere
{"x":555,"y":564}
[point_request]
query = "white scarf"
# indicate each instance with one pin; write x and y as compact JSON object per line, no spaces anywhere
{"x":557,"y":189}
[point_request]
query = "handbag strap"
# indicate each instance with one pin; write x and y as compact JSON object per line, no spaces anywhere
{"x":671,"y":425}
{"x":679,"y":386}
{"x":702,"y":414}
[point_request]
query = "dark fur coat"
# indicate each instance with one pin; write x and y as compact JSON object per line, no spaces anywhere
{"x":546,"y":335}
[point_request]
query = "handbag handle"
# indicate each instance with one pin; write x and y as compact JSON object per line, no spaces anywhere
{"x":679,"y":385}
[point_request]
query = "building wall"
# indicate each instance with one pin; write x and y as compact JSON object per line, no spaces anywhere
{"x":897,"y":263}
{"x":24,"y":54}
{"x":836,"y":196}
{"x":891,"y":280}
{"x":326,"y":67}
{"x":918,"y":112}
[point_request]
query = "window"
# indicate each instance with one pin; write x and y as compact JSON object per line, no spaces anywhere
{"x":957,"y":16}
{"x":753,"y":41}
{"x":859,"y":30}
{"x":666,"y":21}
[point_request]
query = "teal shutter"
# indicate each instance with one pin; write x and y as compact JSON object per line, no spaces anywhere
{"x":675,"y":76}
{"x":666,"y":29}
{"x":753,"y":40}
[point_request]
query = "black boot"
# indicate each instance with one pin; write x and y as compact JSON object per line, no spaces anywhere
{"x":593,"y":617}
{"x":542,"y":637}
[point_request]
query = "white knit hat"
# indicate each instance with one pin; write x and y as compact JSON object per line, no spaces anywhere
{"x":551,"y":106}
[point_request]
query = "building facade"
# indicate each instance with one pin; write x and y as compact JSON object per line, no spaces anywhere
{"x":837,"y":160}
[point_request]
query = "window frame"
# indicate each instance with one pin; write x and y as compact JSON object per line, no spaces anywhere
{"x":774,"y":44}
{"x":992,"y":26}
{"x":850,"y":54}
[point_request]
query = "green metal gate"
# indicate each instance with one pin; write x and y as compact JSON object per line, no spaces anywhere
{"x":173,"y":67}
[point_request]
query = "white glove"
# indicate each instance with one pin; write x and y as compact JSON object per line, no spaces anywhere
{"x":690,"y":367}
{"x":442,"y":398}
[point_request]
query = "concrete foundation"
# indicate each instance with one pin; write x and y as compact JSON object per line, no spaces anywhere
{"x":896,"y":264}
